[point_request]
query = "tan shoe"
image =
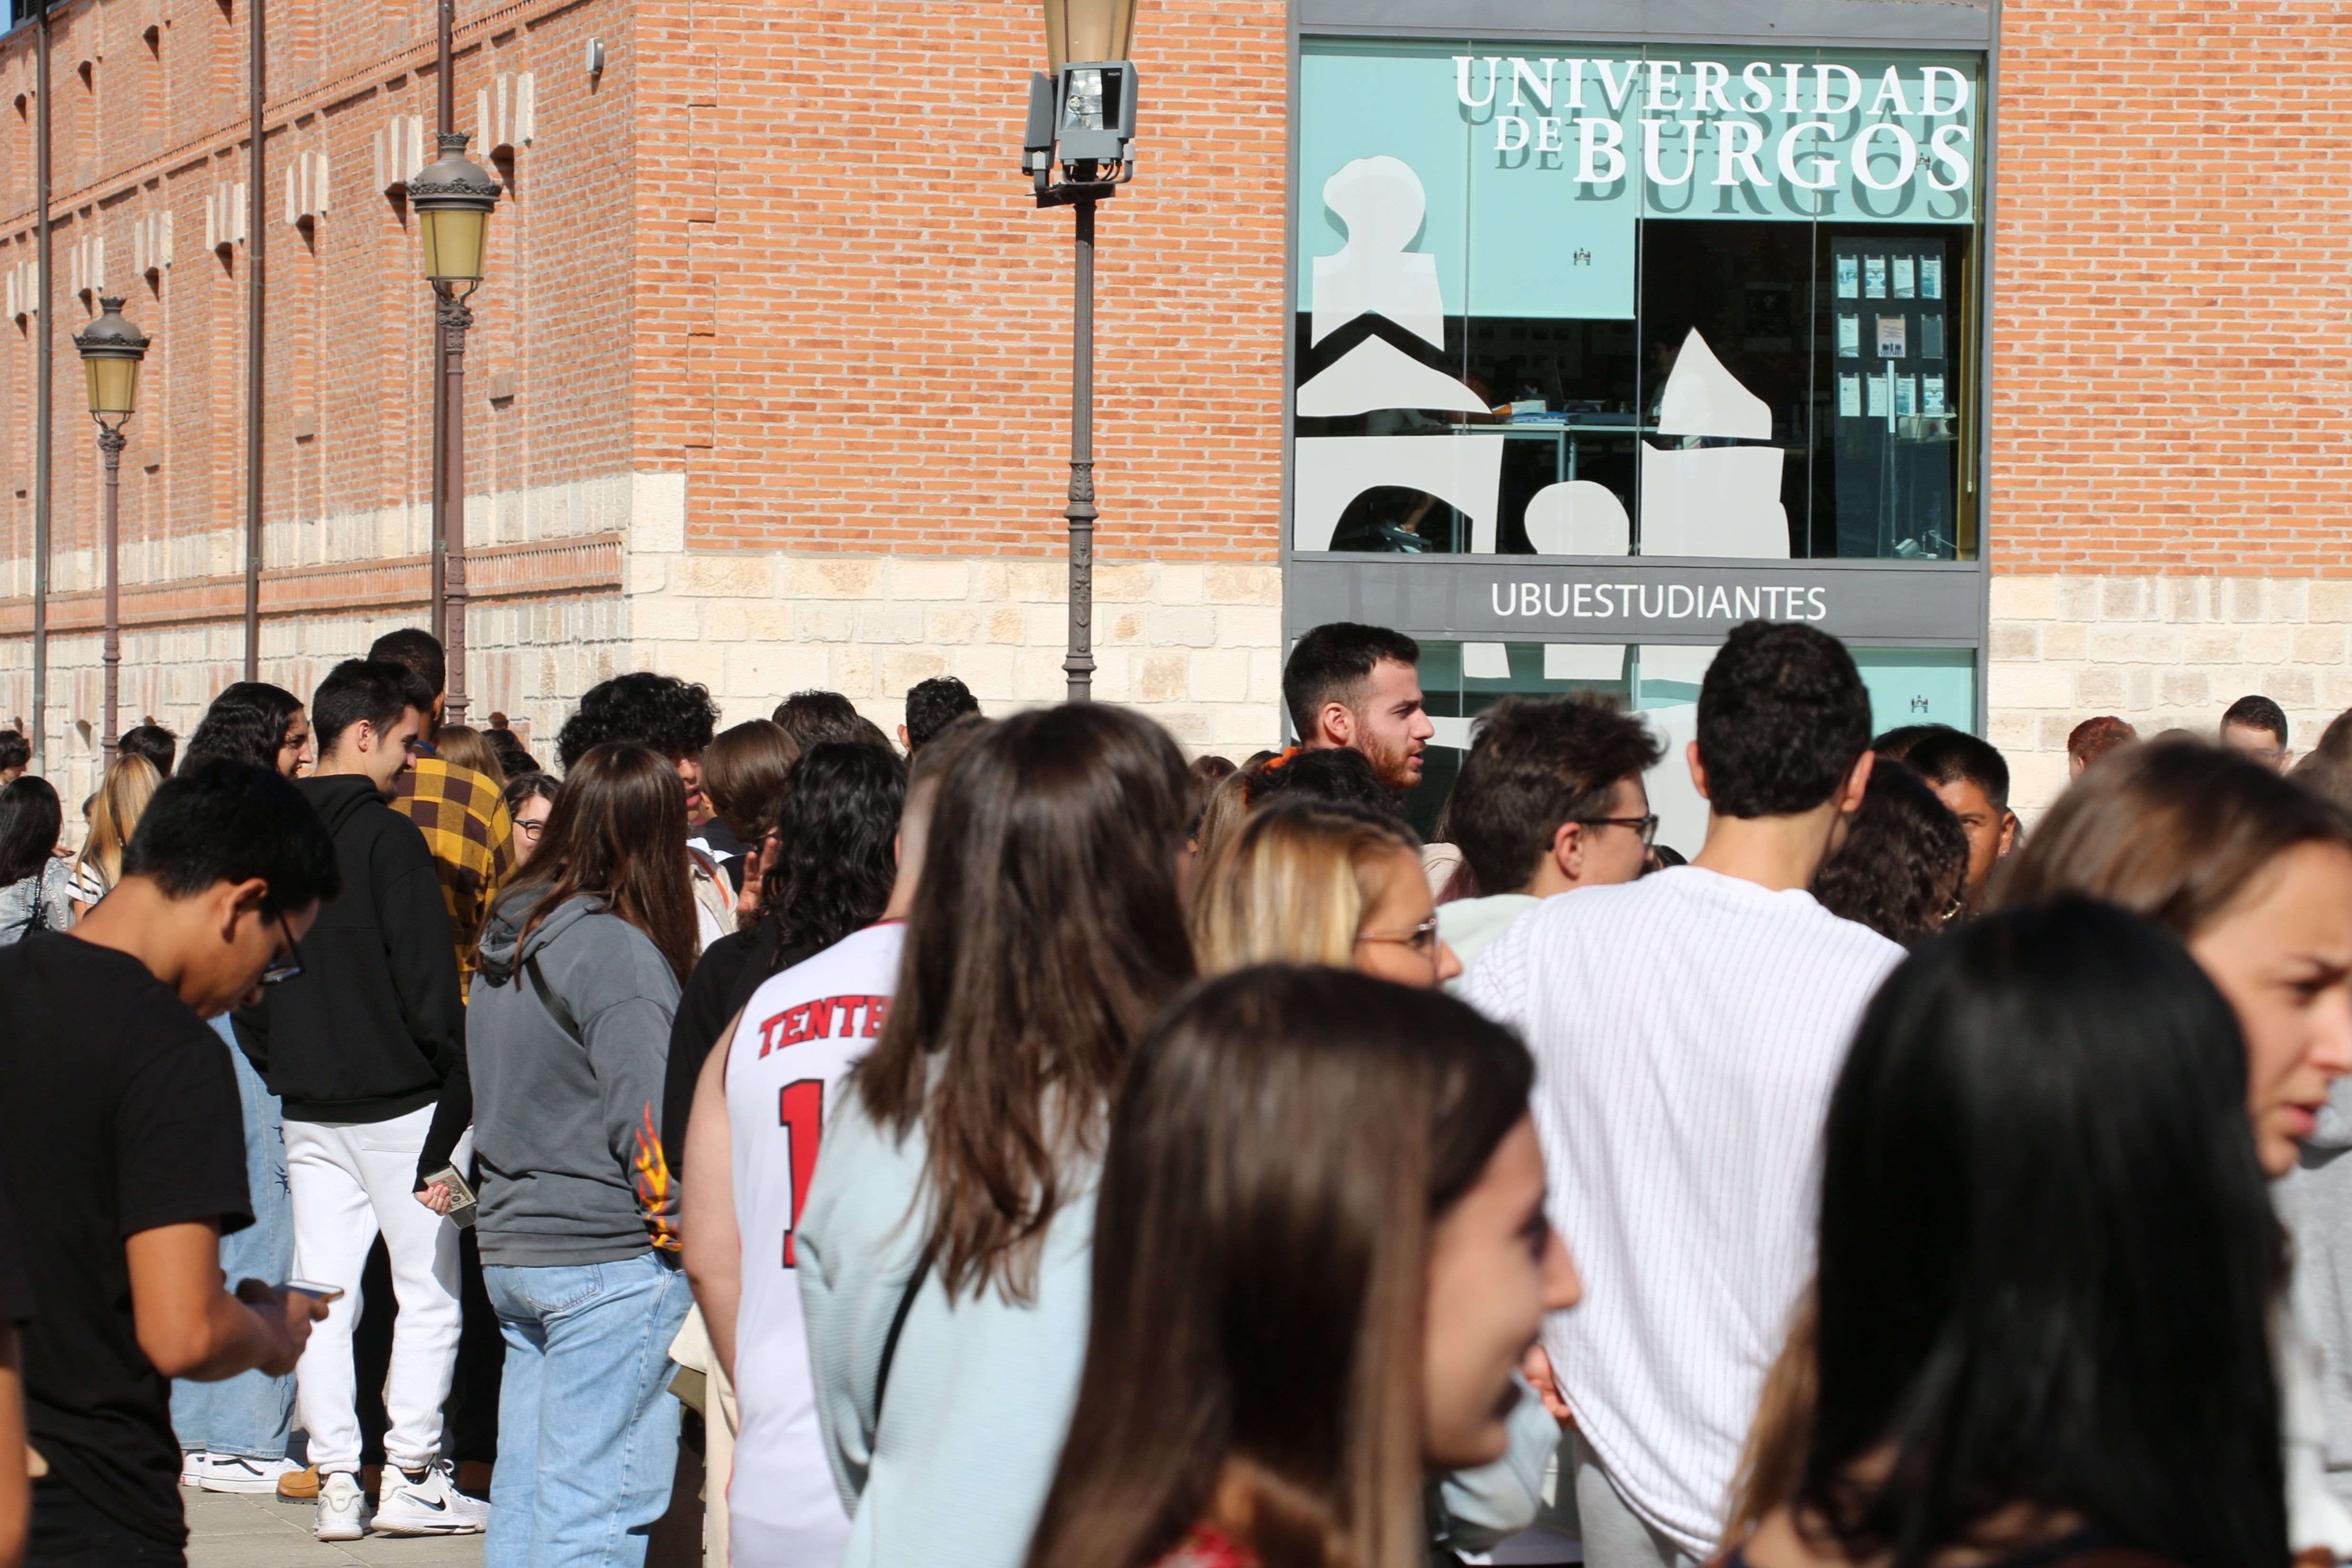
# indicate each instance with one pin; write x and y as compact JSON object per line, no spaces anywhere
{"x":300,"y":1486}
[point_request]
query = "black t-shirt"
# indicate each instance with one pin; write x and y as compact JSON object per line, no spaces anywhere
{"x":119,"y":1113}
{"x":16,"y":1289}
{"x":728,"y":971}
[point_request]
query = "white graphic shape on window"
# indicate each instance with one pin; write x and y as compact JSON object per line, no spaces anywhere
{"x":1486,"y":661}
{"x":1680,"y":808}
{"x":1451,"y":733}
{"x":1714,"y":500}
{"x":1584,"y":661}
{"x":1380,"y":201}
{"x":1377,"y":374}
{"x":1702,"y":398}
{"x":1579,"y":518}
{"x":1329,"y":471}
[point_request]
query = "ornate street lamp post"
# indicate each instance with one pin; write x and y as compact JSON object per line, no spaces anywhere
{"x":1082,"y":116}
{"x":452,"y":198}
{"x":110,"y":352}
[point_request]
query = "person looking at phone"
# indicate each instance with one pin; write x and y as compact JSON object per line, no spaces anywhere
{"x":132,"y":1141}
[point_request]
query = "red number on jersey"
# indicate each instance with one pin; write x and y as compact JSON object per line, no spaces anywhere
{"x":800,"y":1113}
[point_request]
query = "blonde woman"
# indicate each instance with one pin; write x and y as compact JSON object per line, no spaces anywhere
{"x":114,"y":814}
{"x":1319,"y":883}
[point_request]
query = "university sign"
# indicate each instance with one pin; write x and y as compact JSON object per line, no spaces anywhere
{"x":1531,"y":599}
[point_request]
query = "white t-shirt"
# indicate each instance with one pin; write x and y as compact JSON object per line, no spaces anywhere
{"x":1688,"y":1029}
{"x":801,"y":1034}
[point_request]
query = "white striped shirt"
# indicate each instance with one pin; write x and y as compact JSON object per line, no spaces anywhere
{"x":1688,"y":1029}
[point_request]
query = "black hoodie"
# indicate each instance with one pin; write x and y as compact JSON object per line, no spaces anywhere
{"x":375,"y":1025}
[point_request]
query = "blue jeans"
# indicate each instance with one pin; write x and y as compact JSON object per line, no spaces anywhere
{"x":249,"y":1414}
{"x":587,"y":1428}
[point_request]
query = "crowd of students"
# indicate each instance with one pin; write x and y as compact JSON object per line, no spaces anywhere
{"x":1037,"y":1151}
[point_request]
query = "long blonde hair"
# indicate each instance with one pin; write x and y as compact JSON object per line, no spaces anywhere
{"x":1293,"y":885}
{"x":114,"y":813}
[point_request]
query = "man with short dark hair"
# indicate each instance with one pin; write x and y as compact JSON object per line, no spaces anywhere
{"x":2257,"y":726}
{"x":130,"y":1141}
{"x":366,"y":1048}
{"x":1550,"y":799}
{"x":16,"y":755}
{"x":151,"y":741}
{"x":1971,"y":776}
{"x":1360,"y":687}
{"x":1688,"y":1028}
{"x":677,"y":720}
{"x":465,"y":821}
{"x":931,"y":706}
{"x":812,"y":718}
{"x":2093,"y":739}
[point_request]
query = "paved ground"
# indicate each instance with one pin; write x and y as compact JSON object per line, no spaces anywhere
{"x":226,"y":1530}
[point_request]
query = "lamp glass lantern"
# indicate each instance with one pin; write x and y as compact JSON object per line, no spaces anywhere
{"x":1088,"y":31}
{"x":110,"y":350}
{"x":454,"y":198}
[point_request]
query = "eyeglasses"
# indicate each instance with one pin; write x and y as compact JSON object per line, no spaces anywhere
{"x":531,"y":829}
{"x":284,"y":969}
{"x":1648,"y":826}
{"x":1422,"y":939}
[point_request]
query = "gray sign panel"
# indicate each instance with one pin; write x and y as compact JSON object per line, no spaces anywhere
{"x":1523,"y":598}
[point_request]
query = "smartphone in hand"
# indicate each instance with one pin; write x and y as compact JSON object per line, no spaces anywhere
{"x":316,"y":1292}
{"x":463,"y":1206}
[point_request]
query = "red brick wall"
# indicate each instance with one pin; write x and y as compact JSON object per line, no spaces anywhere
{"x":874,"y":317}
{"x":162,"y":123}
{"x":2172,"y":233}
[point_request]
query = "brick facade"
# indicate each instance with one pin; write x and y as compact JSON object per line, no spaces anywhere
{"x":770,"y":383}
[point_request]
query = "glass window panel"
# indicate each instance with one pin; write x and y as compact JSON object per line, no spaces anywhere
{"x":1572,"y":219}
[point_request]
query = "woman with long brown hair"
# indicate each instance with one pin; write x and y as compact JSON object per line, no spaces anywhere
{"x":943,"y":1251}
{"x":2253,"y":873}
{"x":567,"y":1033}
{"x":1319,"y":1253}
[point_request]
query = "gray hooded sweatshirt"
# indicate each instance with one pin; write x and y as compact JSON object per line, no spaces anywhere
{"x":568,"y":1034}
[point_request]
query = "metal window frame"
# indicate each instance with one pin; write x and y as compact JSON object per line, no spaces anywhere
{"x":1955,"y":596}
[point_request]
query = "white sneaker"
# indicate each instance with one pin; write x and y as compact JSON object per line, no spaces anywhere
{"x":433,"y":1506}
{"x":235,"y":1473}
{"x":341,"y":1507}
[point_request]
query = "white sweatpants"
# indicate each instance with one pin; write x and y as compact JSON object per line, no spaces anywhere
{"x":349,"y":1181}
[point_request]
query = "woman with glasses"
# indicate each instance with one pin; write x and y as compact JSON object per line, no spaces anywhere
{"x":234,"y":1435}
{"x":1321,"y":882}
{"x":530,"y":798}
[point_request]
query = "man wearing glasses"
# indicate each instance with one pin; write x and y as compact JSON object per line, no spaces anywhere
{"x":1688,"y":1028}
{"x":123,"y":1148}
{"x":1550,"y":800}
{"x":366,"y":1048}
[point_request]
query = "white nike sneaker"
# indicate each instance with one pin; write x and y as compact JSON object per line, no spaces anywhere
{"x":235,"y":1473}
{"x":342,"y":1507}
{"x":433,"y":1506}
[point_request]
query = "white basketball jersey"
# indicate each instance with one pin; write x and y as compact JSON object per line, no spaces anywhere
{"x":801,"y":1034}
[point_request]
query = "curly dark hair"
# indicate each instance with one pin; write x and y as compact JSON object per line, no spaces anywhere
{"x":246,"y":723}
{"x":836,"y":844}
{"x":1334,"y":772}
{"x":658,"y":711}
{"x":932,"y":705}
{"x":1903,"y":862}
{"x":1782,"y":715}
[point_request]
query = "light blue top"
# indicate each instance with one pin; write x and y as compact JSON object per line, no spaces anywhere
{"x":981,"y":1389}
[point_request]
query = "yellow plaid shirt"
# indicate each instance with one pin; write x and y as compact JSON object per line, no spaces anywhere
{"x":466,"y":827}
